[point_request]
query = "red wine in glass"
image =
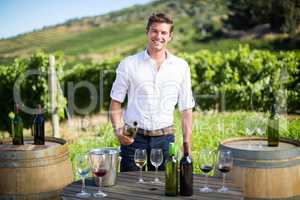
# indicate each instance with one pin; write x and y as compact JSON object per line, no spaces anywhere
{"x":100,"y":173}
{"x":206,"y":168}
{"x":224,"y":169}
{"x":224,"y":166}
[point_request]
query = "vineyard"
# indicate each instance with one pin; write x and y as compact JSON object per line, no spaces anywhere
{"x":240,"y":79}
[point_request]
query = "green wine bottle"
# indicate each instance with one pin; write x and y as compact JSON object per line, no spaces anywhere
{"x":273,"y":127}
{"x":17,"y":127}
{"x":171,"y":172}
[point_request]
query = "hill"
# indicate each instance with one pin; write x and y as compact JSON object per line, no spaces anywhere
{"x":122,"y":32}
{"x":198,"y":24}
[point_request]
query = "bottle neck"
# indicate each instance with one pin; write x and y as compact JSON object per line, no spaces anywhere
{"x":274,"y":112}
{"x":39,"y":109}
{"x":17,"y":109}
{"x":186,"y":150}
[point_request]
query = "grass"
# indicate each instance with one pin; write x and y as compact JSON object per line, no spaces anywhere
{"x":99,"y":40}
{"x":208,"y":131}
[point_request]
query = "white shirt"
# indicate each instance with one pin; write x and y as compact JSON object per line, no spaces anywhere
{"x":152,"y":95}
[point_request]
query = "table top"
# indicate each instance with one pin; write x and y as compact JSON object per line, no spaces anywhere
{"x":128,"y":188}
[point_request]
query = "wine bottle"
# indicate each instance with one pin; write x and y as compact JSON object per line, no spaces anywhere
{"x":171,"y":172}
{"x":130,"y":131}
{"x":17,"y":127}
{"x":39,"y":128}
{"x":273,"y":127}
{"x":186,"y":172}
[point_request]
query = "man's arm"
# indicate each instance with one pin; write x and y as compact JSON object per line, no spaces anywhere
{"x":115,"y":112}
{"x":187,"y":123}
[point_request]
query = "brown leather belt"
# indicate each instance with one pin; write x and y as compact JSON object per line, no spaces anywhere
{"x":164,"y":131}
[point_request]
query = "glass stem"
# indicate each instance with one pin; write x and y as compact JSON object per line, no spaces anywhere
{"x":224,"y":175}
{"x":156,"y":169}
{"x":206,"y":175}
{"x":100,"y":182}
{"x":141,"y":173}
{"x":83,"y":185}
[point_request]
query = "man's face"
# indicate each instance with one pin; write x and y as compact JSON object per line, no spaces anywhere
{"x":158,"y":36}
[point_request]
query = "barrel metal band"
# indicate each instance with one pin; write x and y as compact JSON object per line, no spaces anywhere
{"x":287,"y":198}
{"x":265,"y":164}
{"x":33,"y":162}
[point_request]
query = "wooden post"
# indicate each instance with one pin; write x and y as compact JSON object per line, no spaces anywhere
{"x":52,"y":82}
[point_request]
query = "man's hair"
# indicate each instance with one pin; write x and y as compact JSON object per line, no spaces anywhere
{"x":160,"y":18}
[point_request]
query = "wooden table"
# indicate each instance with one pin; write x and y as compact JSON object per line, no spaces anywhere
{"x":128,"y":189}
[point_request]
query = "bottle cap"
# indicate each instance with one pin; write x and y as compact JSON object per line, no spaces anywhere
{"x":172,"y":149}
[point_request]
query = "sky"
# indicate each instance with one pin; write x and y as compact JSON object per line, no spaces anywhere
{"x":21,"y":16}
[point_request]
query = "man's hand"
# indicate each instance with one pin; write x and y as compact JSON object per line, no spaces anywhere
{"x":125,"y":140}
{"x":115,"y":112}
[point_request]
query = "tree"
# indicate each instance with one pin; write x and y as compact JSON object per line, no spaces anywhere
{"x":282,"y":15}
{"x":285,"y":15}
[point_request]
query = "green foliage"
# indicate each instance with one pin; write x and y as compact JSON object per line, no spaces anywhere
{"x":241,"y":79}
{"x":234,"y":80}
{"x":31,"y":75}
{"x":36,"y":89}
{"x":101,"y":76}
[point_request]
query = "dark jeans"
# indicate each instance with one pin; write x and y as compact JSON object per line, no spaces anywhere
{"x":148,"y":143}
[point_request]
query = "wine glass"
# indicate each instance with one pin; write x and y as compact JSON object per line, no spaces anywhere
{"x":250,"y":129}
{"x":100,"y":166}
{"x":260,"y":129}
{"x":206,"y":163}
{"x":156,"y":159}
{"x":224,"y":165}
{"x":82,"y":169}
{"x":140,"y":159}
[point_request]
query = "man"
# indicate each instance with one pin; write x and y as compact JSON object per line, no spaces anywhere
{"x":154,"y":81}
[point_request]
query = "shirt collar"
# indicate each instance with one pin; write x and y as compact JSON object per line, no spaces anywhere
{"x":147,"y":56}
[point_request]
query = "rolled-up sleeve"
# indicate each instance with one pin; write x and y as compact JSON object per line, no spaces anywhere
{"x":185,"y":98}
{"x":121,"y":83}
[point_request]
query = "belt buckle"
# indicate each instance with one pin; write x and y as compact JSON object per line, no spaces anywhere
{"x":159,"y":132}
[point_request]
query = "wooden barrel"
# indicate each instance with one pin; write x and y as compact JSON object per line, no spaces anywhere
{"x":34,"y":171}
{"x":265,"y":172}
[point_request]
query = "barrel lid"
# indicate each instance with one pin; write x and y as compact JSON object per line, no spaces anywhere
{"x":30,"y":155}
{"x":256,"y":148}
{"x":28,"y":146}
{"x":53,"y":147}
{"x":258,"y":144}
